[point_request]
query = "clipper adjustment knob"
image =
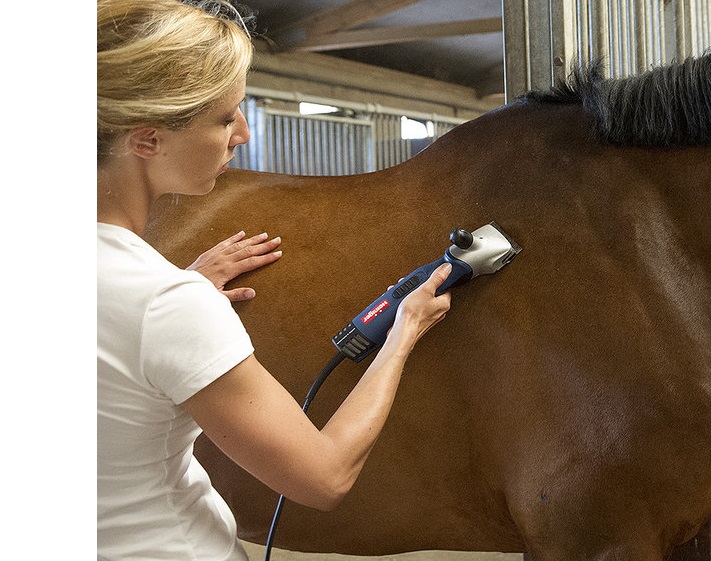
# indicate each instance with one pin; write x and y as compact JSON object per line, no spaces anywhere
{"x":463,"y":239}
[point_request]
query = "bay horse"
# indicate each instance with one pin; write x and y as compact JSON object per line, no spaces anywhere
{"x":563,"y":408}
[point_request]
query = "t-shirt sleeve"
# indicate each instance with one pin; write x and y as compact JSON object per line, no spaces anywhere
{"x":191,"y":336}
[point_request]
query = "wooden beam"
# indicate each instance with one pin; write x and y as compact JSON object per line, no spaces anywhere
{"x":390,"y":35}
{"x":337,"y":18}
{"x":331,"y":73}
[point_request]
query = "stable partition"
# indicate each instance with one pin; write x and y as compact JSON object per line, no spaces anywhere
{"x":543,"y":38}
{"x":355,"y":138}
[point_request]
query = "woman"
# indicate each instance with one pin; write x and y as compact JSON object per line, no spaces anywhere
{"x":173,"y":357}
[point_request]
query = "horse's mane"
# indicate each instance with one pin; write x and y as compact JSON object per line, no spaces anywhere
{"x":666,"y":106}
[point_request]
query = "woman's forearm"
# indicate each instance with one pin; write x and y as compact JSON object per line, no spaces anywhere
{"x":355,"y":426}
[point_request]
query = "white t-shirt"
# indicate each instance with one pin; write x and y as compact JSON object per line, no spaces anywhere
{"x":163,"y":335}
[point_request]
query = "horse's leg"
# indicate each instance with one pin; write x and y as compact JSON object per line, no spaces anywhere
{"x":697,"y":549}
{"x":627,"y":552}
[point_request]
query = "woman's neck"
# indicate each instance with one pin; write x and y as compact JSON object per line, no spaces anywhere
{"x":123,"y":196}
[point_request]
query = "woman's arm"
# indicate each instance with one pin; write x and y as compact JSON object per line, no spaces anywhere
{"x":260,"y":426}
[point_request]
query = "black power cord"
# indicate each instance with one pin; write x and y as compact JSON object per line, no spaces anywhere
{"x":320,"y":379}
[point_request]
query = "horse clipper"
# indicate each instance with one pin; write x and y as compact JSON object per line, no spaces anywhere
{"x":483,"y":251}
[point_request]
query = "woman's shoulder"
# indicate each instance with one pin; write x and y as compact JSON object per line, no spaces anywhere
{"x":128,"y":264}
{"x":120,"y":247}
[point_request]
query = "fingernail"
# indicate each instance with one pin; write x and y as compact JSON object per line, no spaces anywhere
{"x":277,"y":253}
{"x":248,"y":294}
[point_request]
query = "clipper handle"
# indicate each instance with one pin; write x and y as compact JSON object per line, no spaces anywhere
{"x":368,"y":330}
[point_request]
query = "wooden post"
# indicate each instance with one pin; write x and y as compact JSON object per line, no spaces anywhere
{"x":532,"y":28}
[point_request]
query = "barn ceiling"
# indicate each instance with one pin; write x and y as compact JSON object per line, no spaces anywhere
{"x":456,"y":41}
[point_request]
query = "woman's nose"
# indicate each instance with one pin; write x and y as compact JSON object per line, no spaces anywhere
{"x":240,"y":131}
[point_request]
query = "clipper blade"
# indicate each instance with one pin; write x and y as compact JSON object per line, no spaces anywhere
{"x":515,"y":248}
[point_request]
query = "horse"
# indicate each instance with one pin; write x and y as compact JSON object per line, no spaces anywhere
{"x":563,"y":407}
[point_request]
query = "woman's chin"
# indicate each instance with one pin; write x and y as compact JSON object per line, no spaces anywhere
{"x":204,"y":188}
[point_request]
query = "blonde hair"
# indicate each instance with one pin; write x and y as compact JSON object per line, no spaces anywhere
{"x":161,"y":62}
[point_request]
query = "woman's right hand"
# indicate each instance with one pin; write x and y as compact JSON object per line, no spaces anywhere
{"x":421,"y":309}
{"x":234,"y":256}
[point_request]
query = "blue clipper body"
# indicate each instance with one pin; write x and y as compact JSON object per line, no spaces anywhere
{"x":483,"y":251}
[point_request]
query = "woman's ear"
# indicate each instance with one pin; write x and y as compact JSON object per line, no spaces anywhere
{"x":144,"y":142}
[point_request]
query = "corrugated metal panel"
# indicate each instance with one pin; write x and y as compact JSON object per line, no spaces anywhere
{"x":295,"y":144}
{"x":542,"y":37}
{"x":287,"y":142}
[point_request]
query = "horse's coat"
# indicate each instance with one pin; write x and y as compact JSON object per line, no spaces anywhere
{"x":562,"y":408}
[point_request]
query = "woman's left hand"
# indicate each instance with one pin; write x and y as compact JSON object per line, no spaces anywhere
{"x":234,"y":256}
